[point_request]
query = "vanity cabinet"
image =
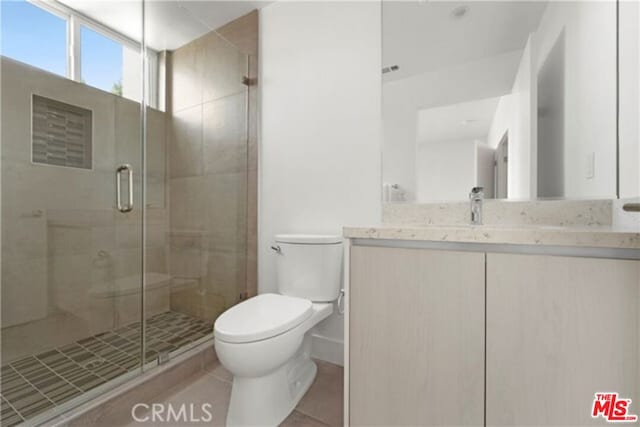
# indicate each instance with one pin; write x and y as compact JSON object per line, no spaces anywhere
{"x":559,"y":329}
{"x":416,"y":347}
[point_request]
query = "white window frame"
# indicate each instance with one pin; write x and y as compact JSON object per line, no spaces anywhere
{"x":75,"y":20}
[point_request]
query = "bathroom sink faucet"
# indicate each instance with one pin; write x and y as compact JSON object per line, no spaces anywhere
{"x":476,"y":197}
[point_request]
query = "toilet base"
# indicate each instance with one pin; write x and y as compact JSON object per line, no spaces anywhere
{"x":268,"y":400}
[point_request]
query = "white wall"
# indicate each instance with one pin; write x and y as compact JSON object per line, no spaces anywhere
{"x":445,"y":171}
{"x":590,"y":91}
{"x":485,"y":78}
{"x":399,"y":136}
{"x":589,"y":126}
{"x":589,"y":29}
{"x":484,"y":168}
{"x":521,"y":167}
{"x":516,"y":114}
{"x":320,"y":143}
{"x":551,"y":82}
{"x":502,"y":121}
{"x":629,"y":99}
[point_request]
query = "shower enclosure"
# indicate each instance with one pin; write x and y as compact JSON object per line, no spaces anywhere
{"x":127,"y":191}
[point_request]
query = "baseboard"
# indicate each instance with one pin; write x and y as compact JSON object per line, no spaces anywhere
{"x":327,"y":349}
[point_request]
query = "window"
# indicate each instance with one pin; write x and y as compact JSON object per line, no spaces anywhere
{"x":33,"y":35}
{"x":36,"y":33}
{"x":101,"y":65}
{"x":109,"y":65}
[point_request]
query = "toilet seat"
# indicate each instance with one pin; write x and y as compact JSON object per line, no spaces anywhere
{"x":261,"y":317}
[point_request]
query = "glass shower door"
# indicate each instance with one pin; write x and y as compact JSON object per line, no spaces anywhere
{"x":72,"y":250}
{"x":208,"y":89}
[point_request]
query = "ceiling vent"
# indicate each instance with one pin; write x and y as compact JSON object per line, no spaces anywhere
{"x":390,"y":69}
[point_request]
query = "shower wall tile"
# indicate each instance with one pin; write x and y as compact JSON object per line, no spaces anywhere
{"x":102,"y":238}
{"x":208,"y":211}
{"x":70,"y":278}
{"x":186,"y":143}
{"x":156,"y":235}
{"x":188,"y":203}
{"x":24,"y":288}
{"x":252,"y":100}
{"x":186,"y":256}
{"x":223,"y":271}
{"x":186,"y":264}
{"x":243,"y":33}
{"x":225,"y":134}
{"x":68,"y":240}
{"x":201,"y":305}
{"x":126,"y":263}
{"x":80,"y":217}
{"x":205,"y":69}
{"x":22,"y":234}
{"x":156,"y":260}
{"x":225,"y":242}
{"x":186,"y":240}
{"x":128,"y":236}
{"x":185,"y":79}
{"x":157,"y":189}
{"x":226,"y":207}
{"x":128,"y":306}
{"x":221,"y":67}
{"x":156,"y":160}
{"x":128,"y":134}
{"x":156,"y":215}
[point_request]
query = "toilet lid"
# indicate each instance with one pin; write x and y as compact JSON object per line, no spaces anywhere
{"x":263,"y":316}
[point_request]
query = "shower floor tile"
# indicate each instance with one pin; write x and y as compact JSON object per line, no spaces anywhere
{"x":36,"y":383}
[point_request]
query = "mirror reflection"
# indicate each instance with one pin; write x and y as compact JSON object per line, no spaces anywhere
{"x":516,"y":97}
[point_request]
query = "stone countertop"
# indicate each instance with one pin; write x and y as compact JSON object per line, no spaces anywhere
{"x":593,"y":236}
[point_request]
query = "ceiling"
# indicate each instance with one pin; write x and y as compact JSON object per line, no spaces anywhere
{"x":458,"y":122}
{"x":169,"y":23}
{"x":422,"y":35}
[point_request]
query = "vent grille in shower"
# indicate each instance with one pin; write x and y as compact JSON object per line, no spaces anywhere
{"x":61,"y":134}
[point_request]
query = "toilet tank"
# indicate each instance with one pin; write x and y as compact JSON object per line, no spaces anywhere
{"x":309,"y":266}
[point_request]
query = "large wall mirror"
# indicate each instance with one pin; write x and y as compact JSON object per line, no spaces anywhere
{"x":528,"y":99}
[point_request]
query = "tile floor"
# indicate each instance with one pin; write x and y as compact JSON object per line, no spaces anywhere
{"x":53,"y":331}
{"x":320,"y":407}
{"x":34,"y":384}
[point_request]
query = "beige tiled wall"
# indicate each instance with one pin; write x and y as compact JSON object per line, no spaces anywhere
{"x":212,"y":169}
{"x":61,"y":236}
{"x":243,"y":33}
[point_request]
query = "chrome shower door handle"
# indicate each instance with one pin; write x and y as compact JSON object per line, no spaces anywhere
{"x":129,"y":206}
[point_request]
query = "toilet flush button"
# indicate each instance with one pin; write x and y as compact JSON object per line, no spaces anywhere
{"x":297,"y":384}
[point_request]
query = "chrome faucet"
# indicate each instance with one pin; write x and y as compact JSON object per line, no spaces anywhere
{"x":476,"y":197}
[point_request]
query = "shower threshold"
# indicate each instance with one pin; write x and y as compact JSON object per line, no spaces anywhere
{"x":40,"y":382}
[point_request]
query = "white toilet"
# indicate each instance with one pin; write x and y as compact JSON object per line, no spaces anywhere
{"x":265,"y":341}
